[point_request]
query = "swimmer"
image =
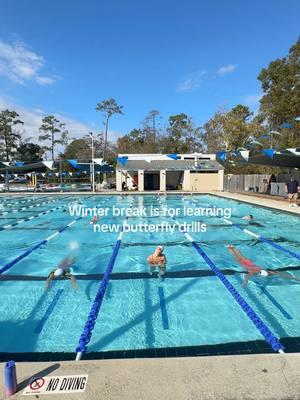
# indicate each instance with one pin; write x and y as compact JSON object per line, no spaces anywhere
{"x":63,"y":269}
{"x":248,"y":217}
{"x":157,"y":259}
{"x":94,"y":220}
{"x":253,"y":269}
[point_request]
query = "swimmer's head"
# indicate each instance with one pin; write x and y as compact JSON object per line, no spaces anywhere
{"x":73,"y":245}
{"x":58,"y":272}
{"x":263,"y":272}
{"x":160,"y":248}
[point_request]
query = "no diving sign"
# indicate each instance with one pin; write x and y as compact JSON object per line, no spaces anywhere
{"x":56,"y":384}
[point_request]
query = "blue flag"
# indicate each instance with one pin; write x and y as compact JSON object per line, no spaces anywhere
{"x":173,"y":156}
{"x":221,"y":155}
{"x":269,"y":152}
{"x":286,"y":125}
{"x":122,"y":160}
{"x":73,"y":163}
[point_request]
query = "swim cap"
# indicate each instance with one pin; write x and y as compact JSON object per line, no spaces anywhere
{"x":161,"y":247}
{"x":73,"y":245}
{"x":58,"y":272}
{"x":263,"y":272}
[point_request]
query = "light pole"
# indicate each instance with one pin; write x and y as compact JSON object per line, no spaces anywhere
{"x":92,"y":169}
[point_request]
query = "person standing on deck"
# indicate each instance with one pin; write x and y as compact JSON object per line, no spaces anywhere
{"x":292,"y":188}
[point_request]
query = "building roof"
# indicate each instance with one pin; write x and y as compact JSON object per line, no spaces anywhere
{"x":170,"y":165}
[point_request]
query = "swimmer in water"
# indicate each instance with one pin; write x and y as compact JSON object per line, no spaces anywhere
{"x":63,"y":269}
{"x":253,"y":269}
{"x":94,"y":220}
{"x":157,"y":259}
{"x":248,"y":217}
{"x":251,"y":221}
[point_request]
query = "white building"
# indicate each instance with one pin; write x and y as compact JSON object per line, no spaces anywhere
{"x":192,"y":172}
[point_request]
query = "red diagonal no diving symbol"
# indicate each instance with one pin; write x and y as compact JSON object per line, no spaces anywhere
{"x":37,"y":383}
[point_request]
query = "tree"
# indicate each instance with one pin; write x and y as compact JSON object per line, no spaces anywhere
{"x":182,"y":136}
{"x":213,"y":131}
{"x":55,"y":131}
{"x":236,"y":130}
{"x":29,"y":152}
{"x":139,"y":141}
{"x":231,"y":130}
{"x":108,"y":108}
{"x":81,"y":149}
{"x":151,"y":120}
{"x":8,"y":137}
{"x":280,"y":103}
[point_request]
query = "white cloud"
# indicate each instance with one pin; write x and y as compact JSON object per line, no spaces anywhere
{"x":32,"y":118}
{"x":191,"y":82}
{"x":44,"y":80}
{"x":226,"y":69}
{"x":252,"y":100}
{"x":20,"y":64}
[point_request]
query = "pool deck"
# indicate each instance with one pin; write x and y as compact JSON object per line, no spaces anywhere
{"x":277,"y":203}
{"x":251,"y":377}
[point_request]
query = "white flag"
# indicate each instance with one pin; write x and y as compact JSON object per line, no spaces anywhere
{"x":98,"y":161}
{"x":48,"y":164}
{"x":245,"y":154}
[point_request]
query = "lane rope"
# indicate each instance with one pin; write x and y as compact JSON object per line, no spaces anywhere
{"x":251,"y":314}
{"x":36,"y":246}
{"x":94,"y":311}
{"x":31,"y":206}
{"x":259,"y":237}
{"x":20,"y":221}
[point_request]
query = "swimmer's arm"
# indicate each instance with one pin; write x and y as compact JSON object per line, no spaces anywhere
{"x":49,"y":279}
{"x":73,"y":282}
{"x":238,"y":255}
{"x":285,"y":275}
{"x":246,"y":279}
{"x":72,"y":279}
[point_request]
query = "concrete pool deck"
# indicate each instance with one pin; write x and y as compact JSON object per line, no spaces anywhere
{"x":266,"y":201}
{"x":251,"y":377}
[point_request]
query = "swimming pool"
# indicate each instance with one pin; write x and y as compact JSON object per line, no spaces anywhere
{"x":189,"y":312}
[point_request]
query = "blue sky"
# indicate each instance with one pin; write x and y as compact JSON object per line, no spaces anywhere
{"x":62,"y":57}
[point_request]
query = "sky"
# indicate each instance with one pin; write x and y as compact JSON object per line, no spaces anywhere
{"x":192,"y":56}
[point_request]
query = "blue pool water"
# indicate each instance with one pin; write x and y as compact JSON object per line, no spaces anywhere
{"x":144,"y":312}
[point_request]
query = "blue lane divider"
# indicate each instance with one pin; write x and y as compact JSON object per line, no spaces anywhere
{"x":93,"y":314}
{"x":48,"y":312}
{"x":270,"y":242}
{"x":258,"y":323}
{"x":261,"y":238}
{"x":163,"y":308}
{"x":35,"y":247}
{"x":27,"y":207}
{"x":26,"y":201}
{"x":3,"y":227}
{"x":255,"y":319}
